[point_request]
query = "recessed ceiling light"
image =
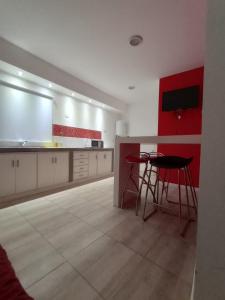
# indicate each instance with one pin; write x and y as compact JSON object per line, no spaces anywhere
{"x":90,"y":101}
{"x":50,"y":85}
{"x":20,"y":73}
{"x":135,"y":40}
{"x":72,"y":94}
{"x":131,"y":87}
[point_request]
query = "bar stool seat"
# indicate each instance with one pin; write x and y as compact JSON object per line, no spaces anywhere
{"x":170,"y":162}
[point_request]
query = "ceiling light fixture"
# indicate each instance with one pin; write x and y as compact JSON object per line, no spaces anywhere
{"x":20,"y":73}
{"x":90,"y":101}
{"x":50,"y":85}
{"x":72,"y":94}
{"x":135,"y":40}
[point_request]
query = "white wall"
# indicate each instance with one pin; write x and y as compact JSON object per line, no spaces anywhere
{"x":210,"y":276}
{"x":24,"y":115}
{"x":72,"y":112}
{"x":142,"y":115}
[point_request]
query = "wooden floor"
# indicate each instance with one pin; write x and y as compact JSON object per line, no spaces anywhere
{"x":75,"y":245}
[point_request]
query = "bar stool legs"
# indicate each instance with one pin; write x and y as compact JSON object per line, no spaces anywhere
{"x":138,"y":190}
{"x":189,"y":188}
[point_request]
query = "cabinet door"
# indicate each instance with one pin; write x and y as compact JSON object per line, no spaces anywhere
{"x":26,"y":171}
{"x":104,"y":162}
{"x":45,"y":169}
{"x":93,"y":163}
{"x":61,"y":167}
{"x":7,"y":174}
{"x":101,"y":163}
{"x":108,"y":161}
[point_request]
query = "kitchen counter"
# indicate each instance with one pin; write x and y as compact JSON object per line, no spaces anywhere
{"x":50,"y":149}
{"x":32,"y":170}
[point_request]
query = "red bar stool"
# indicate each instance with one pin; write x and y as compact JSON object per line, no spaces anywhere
{"x":180,"y":164}
{"x":133,"y":161}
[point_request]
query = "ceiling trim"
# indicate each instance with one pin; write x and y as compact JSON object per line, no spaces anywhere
{"x":26,"y":61}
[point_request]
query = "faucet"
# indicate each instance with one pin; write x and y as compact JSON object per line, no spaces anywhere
{"x":23,"y":143}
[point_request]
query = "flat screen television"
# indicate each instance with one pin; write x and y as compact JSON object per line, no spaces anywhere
{"x":180,"y":99}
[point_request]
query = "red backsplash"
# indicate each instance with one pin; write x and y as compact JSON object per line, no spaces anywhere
{"x":67,"y":131}
{"x":190,"y":122}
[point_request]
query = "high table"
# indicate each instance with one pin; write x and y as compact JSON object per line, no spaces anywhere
{"x":131,"y":145}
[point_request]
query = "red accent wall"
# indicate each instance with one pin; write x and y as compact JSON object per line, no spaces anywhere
{"x":67,"y":131}
{"x":190,"y":122}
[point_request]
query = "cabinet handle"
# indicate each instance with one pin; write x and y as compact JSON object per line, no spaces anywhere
{"x":17,"y":163}
{"x":104,"y":156}
{"x":13,"y":163}
{"x":96,"y":156}
{"x":56,"y":160}
{"x":52,"y":160}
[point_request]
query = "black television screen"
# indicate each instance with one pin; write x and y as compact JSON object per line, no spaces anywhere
{"x":180,"y":99}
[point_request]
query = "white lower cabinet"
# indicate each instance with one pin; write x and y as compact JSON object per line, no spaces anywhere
{"x":104,"y":162}
{"x":53,"y":168}
{"x":93,"y":163}
{"x":18,"y":173}
{"x":61,"y":172}
{"x":26,"y":172}
{"x":7,"y":174}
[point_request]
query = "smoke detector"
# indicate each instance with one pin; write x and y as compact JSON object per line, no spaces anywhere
{"x":135,"y":40}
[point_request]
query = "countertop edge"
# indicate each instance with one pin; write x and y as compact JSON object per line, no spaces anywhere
{"x":14,"y":149}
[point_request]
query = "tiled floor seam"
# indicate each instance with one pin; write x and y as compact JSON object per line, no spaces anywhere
{"x":80,"y":274}
{"x":166,"y":270}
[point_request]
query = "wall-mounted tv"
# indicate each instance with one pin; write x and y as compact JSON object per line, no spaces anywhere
{"x":180,"y":99}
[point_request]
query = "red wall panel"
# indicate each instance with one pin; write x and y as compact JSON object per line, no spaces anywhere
{"x":67,"y":131}
{"x":190,"y":122}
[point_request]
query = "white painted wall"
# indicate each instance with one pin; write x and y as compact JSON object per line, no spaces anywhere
{"x":142,"y":115}
{"x":24,"y":115}
{"x":72,"y":112}
{"x":210,"y":276}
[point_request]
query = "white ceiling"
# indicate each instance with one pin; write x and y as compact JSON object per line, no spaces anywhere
{"x":89,"y":39}
{"x":16,"y":79}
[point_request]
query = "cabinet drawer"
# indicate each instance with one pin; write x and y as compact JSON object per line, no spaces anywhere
{"x":80,"y":168}
{"x":80,"y":155}
{"x":80,"y":175}
{"x":80,"y":162}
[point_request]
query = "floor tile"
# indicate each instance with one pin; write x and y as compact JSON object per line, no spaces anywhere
{"x":149,"y":279}
{"x":91,"y":254}
{"x":105,"y":269}
{"x":18,"y":236}
{"x":51,"y":285}
{"x":175,"y":255}
{"x":136,"y":235}
{"x":39,"y":268}
{"x":79,"y":289}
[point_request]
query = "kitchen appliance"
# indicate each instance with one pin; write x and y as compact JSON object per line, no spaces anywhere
{"x":97,"y":144}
